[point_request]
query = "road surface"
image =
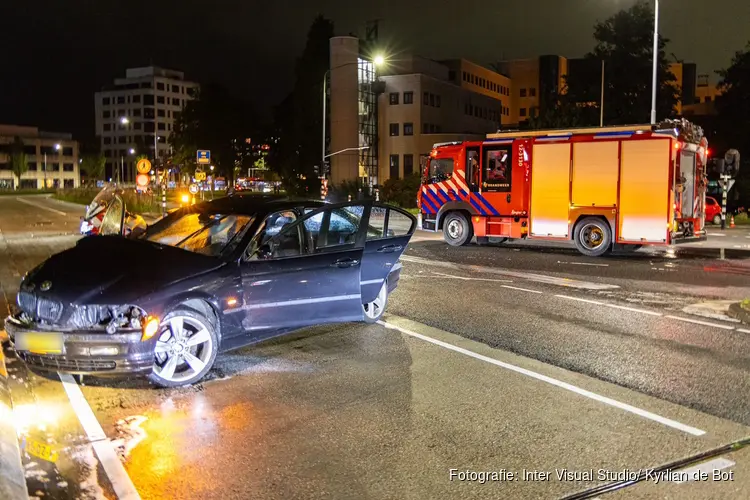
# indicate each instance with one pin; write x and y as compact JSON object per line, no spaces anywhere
{"x":529,"y":362}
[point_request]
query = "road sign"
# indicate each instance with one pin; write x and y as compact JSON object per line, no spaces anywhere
{"x":200,"y":176}
{"x":730,"y":183}
{"x":193,"y":188}
{"x":142,"y":180}
{"x":143,"y":166}
{"x":204,"y":157}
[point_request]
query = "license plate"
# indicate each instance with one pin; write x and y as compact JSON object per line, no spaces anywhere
{"x":40,"y":342}
{"x":40,"y":450}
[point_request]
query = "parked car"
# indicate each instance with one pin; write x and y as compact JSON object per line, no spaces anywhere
{"x":207,"y":278}
{"x":713,"y":210}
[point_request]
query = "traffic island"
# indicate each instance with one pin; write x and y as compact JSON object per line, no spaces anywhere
{"x":12,"y":478}
{"x":740,"y":311}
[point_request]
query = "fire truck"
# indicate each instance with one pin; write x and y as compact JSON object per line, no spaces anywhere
{"x":603,"y":188}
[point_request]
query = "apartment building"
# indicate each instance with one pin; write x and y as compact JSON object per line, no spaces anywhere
{"x":52,"y":159}
{"x":135,"y":116}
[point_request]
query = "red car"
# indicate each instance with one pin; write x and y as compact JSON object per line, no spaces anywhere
{"x":713,"y":210}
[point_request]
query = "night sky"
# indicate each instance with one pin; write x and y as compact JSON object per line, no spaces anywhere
{"x":56,"y":53}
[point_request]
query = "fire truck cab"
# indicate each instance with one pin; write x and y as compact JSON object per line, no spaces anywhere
{"x":601,"y":188}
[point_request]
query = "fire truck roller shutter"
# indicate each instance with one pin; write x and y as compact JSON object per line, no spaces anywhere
{"x":550,"y":184}
{"x":644,"y":191}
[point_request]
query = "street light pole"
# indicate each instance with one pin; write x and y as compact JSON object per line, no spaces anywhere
{"x":45,"y":170}
{"x":654,"y":82}
{"x":601,"y":106}
{"x":322,"y":171}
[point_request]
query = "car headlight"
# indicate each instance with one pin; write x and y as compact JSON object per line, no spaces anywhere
{"x":110,"y":317}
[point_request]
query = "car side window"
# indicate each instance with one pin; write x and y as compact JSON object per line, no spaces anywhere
{"x":376,"y":227}
{"x":276,"y":238}
{"x":334,"y":227}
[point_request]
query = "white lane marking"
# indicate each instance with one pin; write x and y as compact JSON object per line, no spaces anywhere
{"x":694,"y":473}
{"x":716,"y":234}
{"x":539,"y":278}
{"x":616,"y":306}
{"x":553,"y":381}
{"x":118,"y":476}
{"x":37,"y":205}
{"x":521,"y":289}
{"x":699,"y":322}
{"x":583,"y":264}
{"x":467,"y":278}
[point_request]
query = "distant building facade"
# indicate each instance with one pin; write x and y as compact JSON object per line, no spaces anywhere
{"x":426,"y":102}
{"x":52,"y":158}
{"x":137,"y":113}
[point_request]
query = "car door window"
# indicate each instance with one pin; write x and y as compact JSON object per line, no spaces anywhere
{"x":387,"y":223}
{"x":333,"y":228}
{"x":273,"y":240}
{"x":398,"y":224}
{"x":376,"y":227}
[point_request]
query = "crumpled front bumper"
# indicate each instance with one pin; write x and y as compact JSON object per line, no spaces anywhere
{"x":129,"y":355}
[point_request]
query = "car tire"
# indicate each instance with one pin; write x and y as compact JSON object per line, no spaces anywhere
{"x":373,"y":311}
{"x":457,"y":229}
{"x":716,"y":220}
{"x":593,"y":237}
{"x":185,"y":349}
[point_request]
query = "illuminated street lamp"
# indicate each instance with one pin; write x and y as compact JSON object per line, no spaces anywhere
{"x":378,"y":60}
{"x":122,"y":163}
{"x":124,"y":120}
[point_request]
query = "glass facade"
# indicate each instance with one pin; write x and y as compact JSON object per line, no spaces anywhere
{"x":368,"y":121}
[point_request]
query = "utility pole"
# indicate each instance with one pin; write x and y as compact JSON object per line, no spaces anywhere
{"x":601,"y":106}
{"x":654,"y":81}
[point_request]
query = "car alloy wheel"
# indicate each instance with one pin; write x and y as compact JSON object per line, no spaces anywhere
{"x":374,"y":310}
{"x":185,"y":349}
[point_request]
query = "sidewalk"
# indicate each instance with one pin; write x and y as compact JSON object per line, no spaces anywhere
{"x":12,"y":478}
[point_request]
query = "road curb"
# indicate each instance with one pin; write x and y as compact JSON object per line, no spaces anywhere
{"x":738,"y":312}
{"x":12,"y":477}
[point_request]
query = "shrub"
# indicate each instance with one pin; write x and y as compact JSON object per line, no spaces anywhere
{"x":741,"y":218}
{"x":402,"y":192}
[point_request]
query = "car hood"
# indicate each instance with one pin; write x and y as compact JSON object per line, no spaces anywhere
{"x":114,"y":270}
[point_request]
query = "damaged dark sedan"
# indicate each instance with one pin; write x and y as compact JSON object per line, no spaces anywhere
{"x":205,"y":279}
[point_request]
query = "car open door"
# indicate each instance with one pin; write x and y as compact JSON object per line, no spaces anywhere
{"x":113,"y":223}
{"x":308,"y":272}
{"x":388,"y":233}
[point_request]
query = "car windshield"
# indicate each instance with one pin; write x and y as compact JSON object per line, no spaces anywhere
{"x":200,"y":232}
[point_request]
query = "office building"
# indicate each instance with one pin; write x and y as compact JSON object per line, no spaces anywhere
{"x":136,"y":115}
{"x":52,"y":159}
{"x":426,"y":102}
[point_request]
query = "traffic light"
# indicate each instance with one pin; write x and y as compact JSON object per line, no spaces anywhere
{"x":732,"y":162}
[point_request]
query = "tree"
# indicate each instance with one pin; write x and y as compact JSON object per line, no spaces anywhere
{"x":93,"y":165}
{"x":559,"y":112}
{"x":733,"y":105}
{"x":18,"y":161}
{"x":298,"y":119}
{"x":733,"y":120}
{"x":625,"y":44}
{"x":214,"y":120}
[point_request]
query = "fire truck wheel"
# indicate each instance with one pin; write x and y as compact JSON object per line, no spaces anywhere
{"x":457,"y":229}
{"x":593,"y":237}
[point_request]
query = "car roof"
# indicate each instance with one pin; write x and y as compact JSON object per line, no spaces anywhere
{"x":253,"y":204}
